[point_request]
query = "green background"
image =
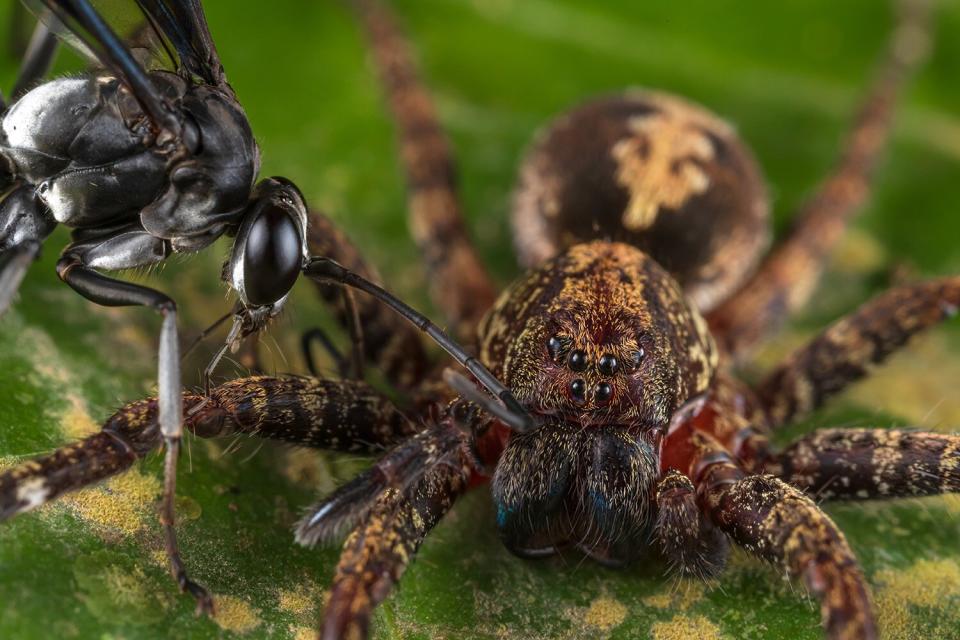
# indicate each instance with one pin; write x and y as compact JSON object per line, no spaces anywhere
{"x":788,"y":74}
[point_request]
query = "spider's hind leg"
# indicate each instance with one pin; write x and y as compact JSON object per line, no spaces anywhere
{"x":788,"y":277}
{"x":459,"y":284}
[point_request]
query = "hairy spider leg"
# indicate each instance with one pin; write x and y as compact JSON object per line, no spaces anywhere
{"x":852,"y":346}
{"x":774,"y":521}
{"x":458,"y":282}
{"x":391,"y":507}
{"x":864,"y":464}
{"x":340,"y":415}
{"x":788,"y":276}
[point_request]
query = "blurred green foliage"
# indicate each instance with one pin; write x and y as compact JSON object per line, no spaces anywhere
{"x":788,"y":74}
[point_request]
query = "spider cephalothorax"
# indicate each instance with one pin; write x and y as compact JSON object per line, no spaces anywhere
{"x":600,"y":335}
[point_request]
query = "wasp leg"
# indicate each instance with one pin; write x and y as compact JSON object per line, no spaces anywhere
{"x":384,"y":339}
{"x":459,"y":284}
{"x":132,"y":247}
{"x":780,"y":524}
{"x":687,"y":538}
{"x":788,"y":276}
{"x":863,"y":464}
{"x":24,"y":224}
{"x":403,"y":497}
{"x":847,"y":350}
{"x":37,"y":59}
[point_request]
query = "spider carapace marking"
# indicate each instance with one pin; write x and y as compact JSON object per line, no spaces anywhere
{"x":652,"y":170}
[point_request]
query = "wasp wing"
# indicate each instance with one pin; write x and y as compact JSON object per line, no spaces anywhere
{"x":184,"y":25}
{"x":82,"y":26}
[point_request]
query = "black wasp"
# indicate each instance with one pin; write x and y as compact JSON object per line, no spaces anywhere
{"x":145,"y":162}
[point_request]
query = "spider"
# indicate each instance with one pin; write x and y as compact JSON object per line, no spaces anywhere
{"x":645,"y":440}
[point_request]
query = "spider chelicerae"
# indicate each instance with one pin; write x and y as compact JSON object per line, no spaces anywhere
{"x":645,"y":439}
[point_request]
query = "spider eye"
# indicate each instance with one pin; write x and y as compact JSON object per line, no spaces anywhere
{"x":578,"y":391}
{"x":577,"y":361}
{"x":636,"y":357}
{"x":608,"y":364}
{"x":554,"y":347}
{"x":603,"y":392}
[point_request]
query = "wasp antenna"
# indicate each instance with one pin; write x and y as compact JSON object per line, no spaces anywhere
{"x":519,"y":421}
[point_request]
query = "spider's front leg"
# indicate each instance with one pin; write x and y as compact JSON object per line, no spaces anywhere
{"x":788,"y":277}
{"x":343,"y":415}
{"x":780,"y":524}
{"x":396,"y":503}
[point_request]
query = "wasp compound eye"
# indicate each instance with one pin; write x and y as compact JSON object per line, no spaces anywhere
{"x":577,"y":361}
{"x":578,"y":391}
{"x":608,"y":364}
{"x":271,"y":257}
{"x":603,"y":392}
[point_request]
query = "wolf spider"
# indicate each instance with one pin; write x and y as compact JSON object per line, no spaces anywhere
{"x":643,"y":220}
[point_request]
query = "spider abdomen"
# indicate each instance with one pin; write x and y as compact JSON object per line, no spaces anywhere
{"x":652,"y":170}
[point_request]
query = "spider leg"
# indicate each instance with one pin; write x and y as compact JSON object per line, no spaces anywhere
{"x":340,"y":415}
{"x":128,"y":435}
{"x":396,"y":503}
{"x":771,"y":519}
{"x":847,"y":350}
{"x":686,"y":537}
{"x":788,"y":276}
{"x":859,"y":464}
{"x":780,"y":524}
{"x":132,"y":247}
{"x":459,"y":284}
{"x":384,"y":339}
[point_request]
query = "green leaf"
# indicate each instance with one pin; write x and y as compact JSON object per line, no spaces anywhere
{"x":788,"y":74}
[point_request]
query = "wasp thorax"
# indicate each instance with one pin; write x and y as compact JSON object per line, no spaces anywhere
{"x":601,"y":335}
